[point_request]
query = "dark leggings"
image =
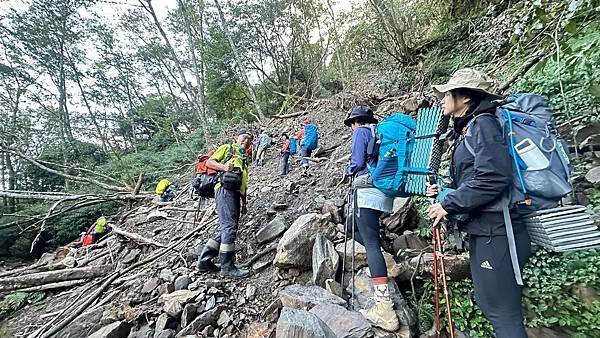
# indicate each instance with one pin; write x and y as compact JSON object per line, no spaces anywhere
{"x":496,"y":290}
{"x":367,"y":234}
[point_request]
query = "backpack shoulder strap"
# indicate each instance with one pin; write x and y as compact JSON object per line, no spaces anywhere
{"x":466,"y":139}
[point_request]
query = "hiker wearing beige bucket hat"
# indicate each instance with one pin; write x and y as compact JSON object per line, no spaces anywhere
{"x":480,"y":179}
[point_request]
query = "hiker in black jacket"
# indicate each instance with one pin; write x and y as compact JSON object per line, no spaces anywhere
{"x":480,"y":182}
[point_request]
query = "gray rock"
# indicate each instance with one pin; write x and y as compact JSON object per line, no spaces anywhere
{"x":167,"y":275}
{"x":295,"y":246}
{"x":305,"y":297}
{"x":224,"y":319}
{"x":85,"y":324}
{"x":194,"y":285}
{"x":165,"y":288}
{"x":593,"y":176}
{"x":360,"y":254}
{"x":169,"y":333}
{"x":150,"y":285}
{"x":162,"y":322}
{"x":363,"y":291}
{"x":205,"y":319}
{"x":182,"y":282}
{"x":145,"y":331}
{"x":294,"y":323}
{"x":404,"y":216}
{"x":330,"y":208}
{"x":210,"y":303}
{"x":325,"y":260}
{"x":411,"y":241}
{"x":344,"y":323}
{"x":188,"y":314}
{"x":131,"y":256}
{"x":250,"y":291}
{"x":260,"y":265}
{"x":113,"y":330}
{"x":270,"y":231}
{"x":208,"y":331}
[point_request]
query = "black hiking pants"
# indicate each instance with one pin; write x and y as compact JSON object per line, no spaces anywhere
{"x":496,"y":290}
{"x":367,"y":234}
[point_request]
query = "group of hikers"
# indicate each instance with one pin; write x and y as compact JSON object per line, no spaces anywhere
{"x":480,"y":173}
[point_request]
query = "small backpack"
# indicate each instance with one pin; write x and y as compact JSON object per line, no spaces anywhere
{"x":393,"y":145}
{"x":206,"y":178}
{"x":311,"y":136}
{"x":161,"y":186}
{"x":541,"y":166}
{"x":293,"y":146}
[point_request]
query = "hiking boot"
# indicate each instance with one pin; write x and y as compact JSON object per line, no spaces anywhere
{"x":205,"y":262}
{"x":382,"y":315}
{"x":228,"y":268}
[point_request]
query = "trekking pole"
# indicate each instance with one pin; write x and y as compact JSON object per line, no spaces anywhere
{"x":444,"y":281}
{"x":353,"y":240}
{"x":438,"y":254}
{"x":348,"y":201}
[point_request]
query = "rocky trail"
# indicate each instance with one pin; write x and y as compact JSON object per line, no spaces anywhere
{"x":140,"y":280}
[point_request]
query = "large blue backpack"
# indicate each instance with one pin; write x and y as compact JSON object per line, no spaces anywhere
{"x":293,"y":145}
{"x":529,"y":128}
{"x":395,"y":137}
{"x":311,"y":136}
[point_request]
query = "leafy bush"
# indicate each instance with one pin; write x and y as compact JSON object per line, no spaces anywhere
{"x":17,"y":300}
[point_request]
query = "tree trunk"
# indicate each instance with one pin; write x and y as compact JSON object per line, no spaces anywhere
{"x":198,"y":64}
{"x":12,"y":180}
{"x":186,"y":85}
{"x":41,"y":278}
{"x":236,"y":56}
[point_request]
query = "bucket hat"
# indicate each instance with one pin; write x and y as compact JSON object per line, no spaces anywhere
{"x":467,"y":78}
{"x":360,"y":112}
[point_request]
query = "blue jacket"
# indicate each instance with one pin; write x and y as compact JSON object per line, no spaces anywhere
{"x":359,"y":160}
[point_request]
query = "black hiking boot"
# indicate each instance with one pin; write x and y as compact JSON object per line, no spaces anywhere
{"x":228,"y":268}
{"x":205,"y":262}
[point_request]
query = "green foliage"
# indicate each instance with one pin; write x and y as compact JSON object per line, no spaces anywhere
{"x":17,"y":300}
{"x":554,"y":297}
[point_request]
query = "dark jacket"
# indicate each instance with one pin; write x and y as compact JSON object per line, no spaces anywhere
{"x":359,"y":159}
{"x":482,"y":179}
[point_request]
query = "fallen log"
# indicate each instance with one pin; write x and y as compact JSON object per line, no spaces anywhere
{"x":135,"y":237}
{"x":41,"y":278}
{"x":52,"y":286}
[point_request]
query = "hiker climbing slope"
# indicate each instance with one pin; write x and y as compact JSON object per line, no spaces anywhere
{"x":370,"y":203}
{"x":310,"y":141}
{"x":264,"y":143}
{"x":480,"y":181}
{"x":230,"y":197}
{"x":285,"y":154}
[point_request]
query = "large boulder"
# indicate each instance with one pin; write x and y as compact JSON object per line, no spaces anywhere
{"x":294,"y":323}
{"x":86,"y":324}
{"x":364,"y":297}
{"x":114,"y":330}
{"x":175,"y":301}
{"x":273,"y":229}
{"x":593,"y":176}
{"x":325,"y":260}
{"x":295,"y":246}
{"x":344,"y":323}
{"x":410,"y":241}
{"x":298,"y":296}
{"x":208,"y":318}
{"x":360,"y":258}
{"x":404,"y":216}
{"x":360,"y":254}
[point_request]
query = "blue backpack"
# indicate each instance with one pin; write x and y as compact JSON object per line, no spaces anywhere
{"x":530,"y":131}
{"x":293,"y":146}
{"x":311,"y":136}
{"x":395,"y":138}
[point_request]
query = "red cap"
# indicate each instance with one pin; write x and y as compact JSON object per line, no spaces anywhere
{"x":307,"y":121}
